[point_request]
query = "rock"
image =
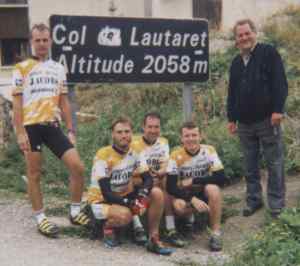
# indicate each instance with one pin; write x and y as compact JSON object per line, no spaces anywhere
{"x":6,"y":127}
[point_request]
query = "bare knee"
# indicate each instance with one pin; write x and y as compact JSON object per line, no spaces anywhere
{"x":213,"y":192}
{"x":77,"y":171}
{"x":73,"y":163}
{"x":34,"y":176}
{"x":123,"y":217}
{"x":180,"y":207}
{"x":157,"y":195}
{"x":34,"y":173}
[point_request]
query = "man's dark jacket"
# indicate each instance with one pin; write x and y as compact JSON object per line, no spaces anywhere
{"x":258,"y":89}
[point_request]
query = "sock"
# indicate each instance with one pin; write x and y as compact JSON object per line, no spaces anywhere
{"x":136,"y":222}
{"x":217,"y":232}
{"x":191,"y":219}
{"x":170,"y":222}
{"x":74,"y":209}
{"x":39,"y":216}
{"x":97,"y":210}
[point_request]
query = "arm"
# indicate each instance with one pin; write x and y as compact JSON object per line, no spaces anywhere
{"x":231,"y":113}
{"x":174,"y":190}
{"x":279,"y":82}
{"x":217,"y":178}
{"x":147,"y":182}
{"x":108,"y":195}
{"x":231,"y":98}
{"x":279,"y":87}
{"x":22,"y":137}
{"x":67,"y":116}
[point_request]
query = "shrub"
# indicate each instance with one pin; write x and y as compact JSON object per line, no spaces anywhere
{"x":277,"y":245}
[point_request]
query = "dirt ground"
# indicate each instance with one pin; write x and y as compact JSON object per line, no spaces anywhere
{"x":21,"y":245}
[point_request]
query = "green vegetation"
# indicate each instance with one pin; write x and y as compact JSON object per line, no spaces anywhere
{"x":278,"y":243}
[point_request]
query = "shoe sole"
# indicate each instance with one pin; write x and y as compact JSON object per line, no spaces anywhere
{"x":161,"y":253}
{"x":174,"y":244}
{"x":51,"y":235}
{"x":247,"y":213}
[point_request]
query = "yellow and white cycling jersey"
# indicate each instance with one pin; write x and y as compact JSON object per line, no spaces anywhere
{"x":40,"y":83}
{"x":118,"y":168}
{"x":156,"y":154}
{"x":185,"y":165}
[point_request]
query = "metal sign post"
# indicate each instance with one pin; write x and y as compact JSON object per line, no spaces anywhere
{"x":187,"y":101}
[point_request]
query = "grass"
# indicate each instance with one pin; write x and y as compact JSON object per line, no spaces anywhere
{"x":278,"y":243}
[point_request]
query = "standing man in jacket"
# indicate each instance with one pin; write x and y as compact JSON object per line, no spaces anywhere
{"x":256,"y":96}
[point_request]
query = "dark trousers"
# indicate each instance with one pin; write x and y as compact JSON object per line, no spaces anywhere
{"x":253,"y":137}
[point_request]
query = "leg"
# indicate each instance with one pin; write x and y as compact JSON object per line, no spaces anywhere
{"x":33,"y":165}
{"x":76,"y":169}
{"x":271,"y":140}
{"x":72,"y":161}
{"x":33,"y":160}
{"x":118,"y":216}
{"x":172,"y":237}
{"x":181,"y":208}
{"x":168,"y":211}
{"x":168,"y":204}
{"x":250,"y":147}
{"x":155,"y":211}
{"x":213,"y":193}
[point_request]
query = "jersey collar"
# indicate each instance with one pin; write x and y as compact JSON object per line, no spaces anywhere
{"x":148,"y":142}
{"x":193,"y":154}
{"x":118,"y":150}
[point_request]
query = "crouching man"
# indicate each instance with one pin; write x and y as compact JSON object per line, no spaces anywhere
{"x":194,"y":175}
{"x":112,"y":196}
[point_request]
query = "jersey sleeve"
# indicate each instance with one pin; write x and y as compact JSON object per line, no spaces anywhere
{"x":100,"y":169}
{"x":216,"y":163}
{"x":141,"y":163}
{"x":63,"y":81}
{"x":17,"y":82}
{"x":166,"y":150}
{"x":172,"y":168}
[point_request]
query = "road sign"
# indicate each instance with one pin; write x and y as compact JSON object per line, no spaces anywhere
{"x":118,"y":49}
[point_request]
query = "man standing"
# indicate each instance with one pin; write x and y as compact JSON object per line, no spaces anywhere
{"x":155,"y":149}
{"x":112,"y":196}
{"x":256,"y":96}
{"x":194,"y":175}
{"x":39,"y":99}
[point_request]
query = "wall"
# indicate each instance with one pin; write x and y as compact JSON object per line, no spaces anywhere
{"x":172,"y":8}
{"x":258,"y":10}
{"x":40,"y":10}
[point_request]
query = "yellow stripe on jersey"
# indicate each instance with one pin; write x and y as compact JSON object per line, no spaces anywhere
{"x":23,"y":68}
{"x":43,"y":110}
{"x":41,"y":84}
{"x":187,"y":166}
{"x":180,"y":156}
{"x":26,"y":66}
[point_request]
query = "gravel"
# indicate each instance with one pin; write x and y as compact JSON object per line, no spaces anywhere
{"x":22,"y":245}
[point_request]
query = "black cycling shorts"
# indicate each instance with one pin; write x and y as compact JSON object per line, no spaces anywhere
{"x":49,"y":134}
{"x":201,"y":196}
